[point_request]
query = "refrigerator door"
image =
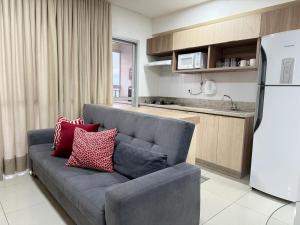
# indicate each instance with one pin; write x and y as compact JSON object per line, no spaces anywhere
{"x":275,"y":165}
{"x":283,"y":55}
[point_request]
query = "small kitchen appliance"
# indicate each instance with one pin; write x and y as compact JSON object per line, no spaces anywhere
{"x":197,"y":60}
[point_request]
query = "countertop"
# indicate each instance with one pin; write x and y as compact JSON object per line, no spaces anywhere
{"x":158,"y":112}
{"x":231,"y":113}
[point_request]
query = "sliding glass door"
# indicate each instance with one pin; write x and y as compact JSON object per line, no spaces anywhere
{"x":124,"y":67}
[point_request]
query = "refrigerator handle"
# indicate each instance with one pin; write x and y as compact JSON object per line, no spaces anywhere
{"x":261,"y":89}
{"x":262,"y":70}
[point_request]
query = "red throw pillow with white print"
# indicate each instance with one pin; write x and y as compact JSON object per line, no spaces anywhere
{"x":65,"y":146}
{"x":57,"y":130}
{"x":93,"y":150}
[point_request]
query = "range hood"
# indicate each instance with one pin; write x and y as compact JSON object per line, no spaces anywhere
{"x":160,"y":63}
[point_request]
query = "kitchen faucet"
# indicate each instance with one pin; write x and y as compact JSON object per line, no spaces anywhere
{"x":233,"y":104}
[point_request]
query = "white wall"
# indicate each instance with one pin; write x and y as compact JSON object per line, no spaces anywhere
{"x":240,"y":86}
{"x":127,"y":24}
{"x":209,"y":11}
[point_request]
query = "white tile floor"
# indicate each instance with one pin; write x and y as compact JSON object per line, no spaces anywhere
{"x":224,"y":201}
{"x":228,"y":201}
{"x":24,"y":201}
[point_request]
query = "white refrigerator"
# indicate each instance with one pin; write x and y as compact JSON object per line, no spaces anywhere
{"x":275,"y":163}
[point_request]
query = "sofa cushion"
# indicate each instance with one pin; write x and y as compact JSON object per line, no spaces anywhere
{"x":93,"y":150}
{"x":85,"y":188}
{"x":58,"y":127}
{"x":135,"y":162}
{"x":64,"y":147}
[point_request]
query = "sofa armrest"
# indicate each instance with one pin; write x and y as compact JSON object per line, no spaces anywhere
{"x":167,"y":197}
{"x":42,"y":136}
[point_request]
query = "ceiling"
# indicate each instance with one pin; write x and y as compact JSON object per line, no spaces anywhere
{"x":156,"y":8}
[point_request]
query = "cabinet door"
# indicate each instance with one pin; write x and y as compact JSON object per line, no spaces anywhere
{"x":230,"y":143}
{"x":279,"y":20}
{"x":160,"y":44}
{"x":207,"y":138}
{"x":199,"y":36}
{"x":243,"y":28}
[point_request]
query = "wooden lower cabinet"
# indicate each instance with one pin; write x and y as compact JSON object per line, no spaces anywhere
{"x":225,"y":144}
{"x":207,"y":136}
{"x":230,"y":143}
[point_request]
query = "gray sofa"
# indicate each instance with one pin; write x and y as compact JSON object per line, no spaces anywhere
{"x":169,"y":196}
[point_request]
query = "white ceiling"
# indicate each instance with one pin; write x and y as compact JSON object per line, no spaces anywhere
{"x":156,"y":8}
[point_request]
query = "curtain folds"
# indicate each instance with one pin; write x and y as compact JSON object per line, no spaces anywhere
{"x":55,"y":55}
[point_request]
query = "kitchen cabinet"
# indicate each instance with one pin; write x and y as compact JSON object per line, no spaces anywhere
{"x":222,"y":143}
{"x":225,"y":144}
{"x":243,"y":28}
{"x":207,"y":136}
{"x":282,"y":19}
{"x":199,"y":36}
{"x":237,"y":37}
{"x":230,"y":143}
{"x":160,"y":45}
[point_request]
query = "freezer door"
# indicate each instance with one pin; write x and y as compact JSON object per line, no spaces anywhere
{"x":283,"y":56}
{"x":275,"y":165}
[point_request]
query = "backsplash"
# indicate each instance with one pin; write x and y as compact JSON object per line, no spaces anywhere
{"x":202,"y":103}
{"x":241,"y":86}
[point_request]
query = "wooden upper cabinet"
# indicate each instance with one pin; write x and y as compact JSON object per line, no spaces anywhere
{"x":243,"y":28}
{"x":160,"y":45}
{"x":283,"y":19}
{"x":199,"y":36}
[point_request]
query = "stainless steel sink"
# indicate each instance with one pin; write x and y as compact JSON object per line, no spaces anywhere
{"x":211,"y":108}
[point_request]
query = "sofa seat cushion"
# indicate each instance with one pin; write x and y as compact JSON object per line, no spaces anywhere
{"x":85,"y":188}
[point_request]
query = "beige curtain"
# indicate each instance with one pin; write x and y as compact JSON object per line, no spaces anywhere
{"x":84,"y":54}
{"x":55,"y":55}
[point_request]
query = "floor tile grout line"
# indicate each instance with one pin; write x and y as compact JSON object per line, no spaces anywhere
{"x":4,"y":213}
{"x":247,"y":207}
{"x":28,"y":207}
{"x":234,"y":202}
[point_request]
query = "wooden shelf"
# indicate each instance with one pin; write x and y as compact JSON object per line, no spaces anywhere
{"x":185,"y":51}
{"x":223,"y":69}
{"x":245,"y":49}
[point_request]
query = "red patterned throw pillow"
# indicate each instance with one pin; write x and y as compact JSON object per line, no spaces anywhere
{"x":57,"y":130}
{"x":64,"y":147}
{"x":93,"y":150}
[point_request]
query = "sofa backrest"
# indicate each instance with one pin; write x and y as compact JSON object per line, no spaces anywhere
{"x":168,"y":136}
